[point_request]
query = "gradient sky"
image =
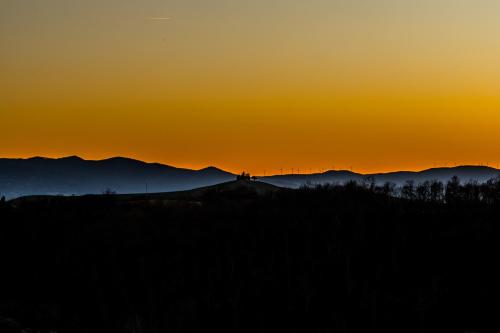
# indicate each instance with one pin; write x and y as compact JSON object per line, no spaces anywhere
{"x":375,"y":85}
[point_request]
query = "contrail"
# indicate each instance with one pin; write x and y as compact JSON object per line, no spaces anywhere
{"x":159,"y":18}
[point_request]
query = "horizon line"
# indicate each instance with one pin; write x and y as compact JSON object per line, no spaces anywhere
{"x":294,"y":171}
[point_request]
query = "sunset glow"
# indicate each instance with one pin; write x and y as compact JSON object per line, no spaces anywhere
{"x":253,"y":85}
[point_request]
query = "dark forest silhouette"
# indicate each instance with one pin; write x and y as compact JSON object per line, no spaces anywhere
{"x":357,"y":257}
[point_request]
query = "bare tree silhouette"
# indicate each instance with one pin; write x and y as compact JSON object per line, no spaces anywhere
{"x":408,"y":190}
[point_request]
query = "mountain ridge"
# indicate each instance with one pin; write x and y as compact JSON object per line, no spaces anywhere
{"x":73,"y":175}
{"x":465,"y":173}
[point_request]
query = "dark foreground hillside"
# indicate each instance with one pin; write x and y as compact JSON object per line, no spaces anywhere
{"x":331,"y":259}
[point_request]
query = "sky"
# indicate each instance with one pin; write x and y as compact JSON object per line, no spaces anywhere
{"x":260,"y":85}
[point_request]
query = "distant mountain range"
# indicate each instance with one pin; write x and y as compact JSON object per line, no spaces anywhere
{"x":76,"y":176}
{"x":465,"y":173}
{"x":73,"y":175}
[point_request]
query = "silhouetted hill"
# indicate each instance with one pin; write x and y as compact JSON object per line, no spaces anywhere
{"x":74,"y":175}
{"x":249,"y":257}
{"x":465,"y":173}
{"x":232,"y":188}
{"x":242,"y":189}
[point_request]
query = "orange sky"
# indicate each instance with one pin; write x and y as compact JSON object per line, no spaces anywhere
{"x":261,"y":85}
